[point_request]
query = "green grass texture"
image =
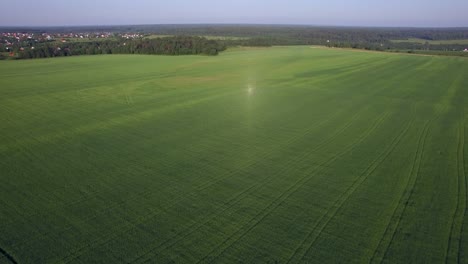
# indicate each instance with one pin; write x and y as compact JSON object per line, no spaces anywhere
{"x":259,"y":155}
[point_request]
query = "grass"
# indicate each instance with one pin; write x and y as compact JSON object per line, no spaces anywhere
{"x":433,"y":42}
{"x":157,"y":36}
{"x":225,"y":38}
{"x":207,"y":37}
{"x":74,"y":40}
{"x":286,"y":154}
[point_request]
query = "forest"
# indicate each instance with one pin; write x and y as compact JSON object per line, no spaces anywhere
{"x":198,"y":39}
{"x":163,"y":46}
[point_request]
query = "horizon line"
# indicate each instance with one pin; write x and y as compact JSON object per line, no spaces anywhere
{"x":235,"y":24}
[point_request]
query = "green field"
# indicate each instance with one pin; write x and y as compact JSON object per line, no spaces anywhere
{"x":157,"y":36}
{"x":207,"y":37}
{"x":258,"y":155}
{"x":433,"y":42}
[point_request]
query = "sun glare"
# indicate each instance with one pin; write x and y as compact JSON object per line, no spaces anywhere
{"x":250,"y":89}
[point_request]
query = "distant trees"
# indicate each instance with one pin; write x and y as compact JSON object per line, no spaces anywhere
{"x":183,"y":45}
{"x":381,"y":39}
{"x":260,"y":31}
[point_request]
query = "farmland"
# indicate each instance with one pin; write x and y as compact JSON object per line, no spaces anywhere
{"x":287,"y":154}
{"x":207,"y":37}
{"x":433,"y":42}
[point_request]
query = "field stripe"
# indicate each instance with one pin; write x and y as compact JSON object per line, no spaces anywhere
{"x":269,"y":179}
{"x":292,"y":140}
{"x":463,"y":185}
{"x":209,"y":183}
{"x":454,"y":249}
{"x":231,"y":240}
{"x":325,"y":219}
{"x":197,"y":226}
{"x":219,"y":179}
{"x":384,"y":244}
{"x":245,"y":166}
{"x":250,"y":163}
{"x":294,"y":160}
{"x":9,"y":257}
{"x":357,"y":103}
{"x":114,"y":122}
{"x":466,"y":200}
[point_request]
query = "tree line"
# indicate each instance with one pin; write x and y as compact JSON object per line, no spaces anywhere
{"x":380,"y":39}
{"x":182,"y":45}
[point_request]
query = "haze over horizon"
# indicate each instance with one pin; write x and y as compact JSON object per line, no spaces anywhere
{"x":395,"y":13}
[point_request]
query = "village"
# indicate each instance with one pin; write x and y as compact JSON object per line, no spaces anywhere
{"x":12,"y":42}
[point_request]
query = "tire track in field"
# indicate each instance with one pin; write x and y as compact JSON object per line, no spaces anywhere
{"x":9,"y":257}
{"x":198,"y":225}
{"x":231,"y":240}
{"x":353,"y":69}
{"x":315,"y":127}
{"x":150,"y":213}
{"x":466,"y":197}
{"x":75,"y":202}
{"x":221,"y":179}
{"x":137,"y":197}
{"x":89,"y":197}
{"x":323,"y":222}
{"x":325,"y":162}
{"x":132,"y":117}
{"x":85,"y":198}
{"x":294,"y":139}
{"x":246,"y":166}
{"x":455,"y":236}
{"x":211,"y":182}
{"x":249,"y":164}
{"x":466,"y":190}
{"x":381,"y":251}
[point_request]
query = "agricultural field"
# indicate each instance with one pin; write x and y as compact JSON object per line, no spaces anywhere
{"x":155,"y":36}
{"x":258,"y":155}
{"x":77,"y":40}
{"x":432,"y":42}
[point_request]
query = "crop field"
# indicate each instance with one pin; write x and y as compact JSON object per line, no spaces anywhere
{"x":258,"y":155}
{"x":207,"y":37}
{"x":433,"y":42}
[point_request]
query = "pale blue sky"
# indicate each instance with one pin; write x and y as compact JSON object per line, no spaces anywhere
{"x":419,"y":13}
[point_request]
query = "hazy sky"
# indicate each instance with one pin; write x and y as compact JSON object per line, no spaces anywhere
{"x":420,"y":13}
